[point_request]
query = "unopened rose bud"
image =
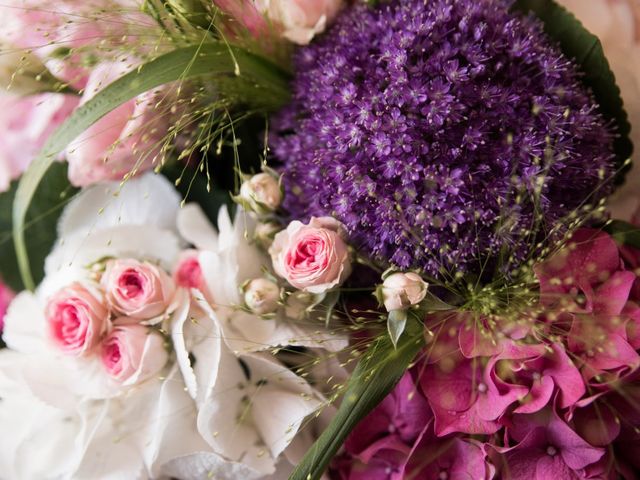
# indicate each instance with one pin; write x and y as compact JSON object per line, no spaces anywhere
{"x":266,"y":232}
{"x":402,"y":290}
{"x":261,"y":296}
{"x":261,"y":194}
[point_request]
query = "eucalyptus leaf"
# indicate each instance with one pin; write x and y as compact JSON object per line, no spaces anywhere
{"x":377,"y":373}
{"x":396,"y":323}
{"x":207,"y":59}
{"x":585,"y":48}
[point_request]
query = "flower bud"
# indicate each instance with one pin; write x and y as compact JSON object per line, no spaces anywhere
{"x":261,"y":296}
{"x":402,"y":290}
{"x":265,"y":233}
{"x":261,"y":194}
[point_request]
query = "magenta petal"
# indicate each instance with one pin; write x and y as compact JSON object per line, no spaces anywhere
{"x":611,"y":297}
{"x":575,"y":451}
{"x":538,"y":397}
{"x":553,"y":468}
{"x":566,"y":377}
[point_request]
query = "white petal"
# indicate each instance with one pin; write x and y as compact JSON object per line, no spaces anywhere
{"x":141,"y":242}
{"x":25,"y":326}
{"x":149,"y":199}
{"x":194,"y":226}
{"x":204,"y":465}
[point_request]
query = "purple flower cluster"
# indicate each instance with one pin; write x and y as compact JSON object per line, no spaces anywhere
{"x":440,"y":132}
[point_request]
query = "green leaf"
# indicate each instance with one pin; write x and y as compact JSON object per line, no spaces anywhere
{"x":207,"y":59}
{"x":376,"y":375}
{"x":396,"y":323}
{"x":42,"y":220}
{"x":585,"y":48}
{"x":624,"y":233}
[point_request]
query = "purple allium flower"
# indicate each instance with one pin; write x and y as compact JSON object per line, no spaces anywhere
{"x":442,"y":134}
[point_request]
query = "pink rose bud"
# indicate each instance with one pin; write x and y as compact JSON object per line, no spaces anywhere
{"x":261,"y":193}
{"x":136,"y":289}
{"x":188,"y":273}
{"x":312,"y":257}
{"x":76,"y":318}
{"x":133,"y":353}
{"x":402,"y":290}
{"x":261,"y":296}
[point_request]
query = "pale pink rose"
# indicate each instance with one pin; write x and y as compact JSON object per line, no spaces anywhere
{"x":25,"y":124}
{"x":126,"y":141}
{"x":402,"y":290}
{"x":312,"y":257}
{"x":261,"y":193}
{"x":76,"y":319}
{"x":300,"y":20}
{"x":133,"y":353}
{"x":6,"y":296}
{"x":188,"y":272}
{"x":138,"y":290}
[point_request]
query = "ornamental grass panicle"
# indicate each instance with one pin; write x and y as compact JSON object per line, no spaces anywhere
{"x":442,"y":134}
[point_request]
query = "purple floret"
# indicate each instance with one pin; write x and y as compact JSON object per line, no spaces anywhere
{"x":442,"y":133}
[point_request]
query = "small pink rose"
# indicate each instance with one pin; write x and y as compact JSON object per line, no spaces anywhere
{"x":402,"y":290}
{"x":261,"y":296}
{"x":76,"y":318}
{"x":188,"y":272}
{"x":261,"y":193}
{"x":136,"y":289}
{"x":133,"y":353}
{"x":312,"y":257}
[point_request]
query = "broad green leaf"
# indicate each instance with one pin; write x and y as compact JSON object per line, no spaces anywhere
{"x":376,"y":375}
{"x":207,"y":59}
{"x":42,"y":220}
{"x":396,"y":323}
{"x":624,"y":233}
{"x":585,"y":48}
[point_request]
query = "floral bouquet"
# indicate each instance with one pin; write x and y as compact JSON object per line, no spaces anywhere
{"x":319,"y":239}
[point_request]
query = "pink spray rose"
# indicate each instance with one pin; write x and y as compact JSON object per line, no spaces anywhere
{"x":133,"y":353}
{"x":312,"y":257}
{"x":25,"y":124}
{"x":126,"y":141}
{"x":6,"y":295}
{"x":138,"y":290}
{"x":188,"y":272}
{"x":76,"y":318}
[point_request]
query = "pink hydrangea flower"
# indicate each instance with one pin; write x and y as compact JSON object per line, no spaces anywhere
{"x":546,"y":448}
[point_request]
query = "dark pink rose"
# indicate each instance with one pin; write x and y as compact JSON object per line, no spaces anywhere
{"x":6,"y":296}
